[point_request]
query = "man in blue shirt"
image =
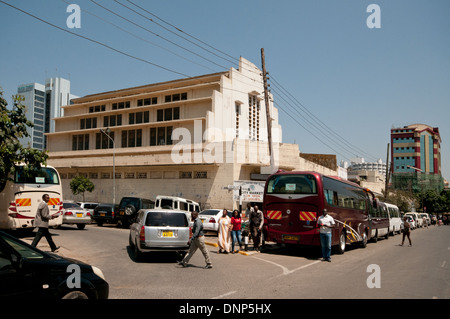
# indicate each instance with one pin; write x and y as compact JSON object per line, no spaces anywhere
{"x":197,"y":242}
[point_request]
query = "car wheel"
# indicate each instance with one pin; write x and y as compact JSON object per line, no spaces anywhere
{"x":81,"y":226}
{"x":75,"y":295}
{"x":99,"y":223}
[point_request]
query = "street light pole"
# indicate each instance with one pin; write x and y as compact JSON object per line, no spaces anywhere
{"x":106,"y":132}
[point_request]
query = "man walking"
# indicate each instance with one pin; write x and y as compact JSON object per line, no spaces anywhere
{"x":41,"y":221}
{"x":197,"y":242}
{"x":256,"y":223}
{"x":326,"y":223}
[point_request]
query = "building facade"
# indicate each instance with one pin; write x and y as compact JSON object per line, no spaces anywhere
{"x":43,"y":103}
{"x":416,"y":158}
{"x":193,"y":138}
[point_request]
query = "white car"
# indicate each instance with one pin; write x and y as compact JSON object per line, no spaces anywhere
{"x":417,"y":220}
{"x":210,"y":218}
{"x":74,"y":214}
{"x":411,"y":221}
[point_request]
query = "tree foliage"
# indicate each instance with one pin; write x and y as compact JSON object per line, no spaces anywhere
{"x":13,"y":126}
{"x":80,"y":185}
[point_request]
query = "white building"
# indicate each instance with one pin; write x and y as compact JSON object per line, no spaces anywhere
{"x":43,"y":103}
{"x":195,"y":138}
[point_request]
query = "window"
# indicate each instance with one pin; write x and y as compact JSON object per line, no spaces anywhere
{"x":253,"y":117}
{"x":88,"y":123}
{"x":103,"y":142}
{"x":112,"y":120}
{"x":132,"y":138}
{"x":202,"y":174}
{"x":168,"y":114}
{"x":175,"y":97}
{"x":185,"y":175}
{"x":292,"y":184}
{"x":80,"y":142}
{"x":147,"y":101}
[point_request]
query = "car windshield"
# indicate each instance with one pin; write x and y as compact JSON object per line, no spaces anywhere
{"x":23,"y":250}
{"x":166,"y":219}
{"x":71,"y":205}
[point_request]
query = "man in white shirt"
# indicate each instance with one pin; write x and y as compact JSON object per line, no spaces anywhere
{"x":326,"y":223}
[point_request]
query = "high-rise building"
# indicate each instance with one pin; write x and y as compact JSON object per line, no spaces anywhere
{"x":416,"y":157}
{"x":43,"y":104}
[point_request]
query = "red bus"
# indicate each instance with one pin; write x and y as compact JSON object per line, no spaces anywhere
{"x":293,"y":202}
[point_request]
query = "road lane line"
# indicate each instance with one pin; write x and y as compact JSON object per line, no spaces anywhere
{"x":443,"y":264}
{"x":224,"y":295}
{"x":285,"y":270}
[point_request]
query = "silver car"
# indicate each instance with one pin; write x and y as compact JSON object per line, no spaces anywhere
{"x":160,"y":230}
{"x":74,"y":214}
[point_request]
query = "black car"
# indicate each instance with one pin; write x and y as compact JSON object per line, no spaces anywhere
{"x":28,"y":272}
{"x":105,"y":214}
{"x":129,"y":206}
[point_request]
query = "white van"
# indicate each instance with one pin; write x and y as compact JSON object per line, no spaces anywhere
{"x":417,"y":219}
{"x":395,"y":221}
{"x":177,"y":203}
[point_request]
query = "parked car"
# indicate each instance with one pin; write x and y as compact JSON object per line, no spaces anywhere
{"x":427,"y":218}
{"x":74,"y":214}
{"x":27,"y":272}
{"x":417,"y":220}
{"x":210,"y":218}
{"x":105,"y":213}
{"x":411,"y":221}
{"x":128,"y":208}
{"x":160,"y":229}
{"x":88,"y":206}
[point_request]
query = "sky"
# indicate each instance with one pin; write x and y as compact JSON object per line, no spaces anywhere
{"x":339,"y":85}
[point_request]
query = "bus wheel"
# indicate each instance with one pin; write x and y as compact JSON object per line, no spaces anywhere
{"x":363,"y":243}
{"x":342,"y":242}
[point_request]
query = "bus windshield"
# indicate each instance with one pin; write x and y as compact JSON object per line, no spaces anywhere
{"x":292,"y":184}
{"x":44,"y":175}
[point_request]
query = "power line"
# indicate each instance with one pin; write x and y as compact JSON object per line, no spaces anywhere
{"x":94,"y":41}
{"x":321,"y":123}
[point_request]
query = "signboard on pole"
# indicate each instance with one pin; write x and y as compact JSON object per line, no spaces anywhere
{"x":252,"y":191}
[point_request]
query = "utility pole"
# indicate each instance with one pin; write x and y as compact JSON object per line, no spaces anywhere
{"x":266,"y":101}
{"x":386,"y":187}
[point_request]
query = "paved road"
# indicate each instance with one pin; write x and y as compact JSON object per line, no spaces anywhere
{"x":420,"y":271}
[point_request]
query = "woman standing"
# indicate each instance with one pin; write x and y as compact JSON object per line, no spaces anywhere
{"x":236,"y":230}
{"x":224,"y":232}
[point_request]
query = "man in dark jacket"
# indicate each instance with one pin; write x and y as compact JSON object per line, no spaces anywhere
{"x":197,"y":242}
{"x":41,"y":221}
{"x":256,"y":223}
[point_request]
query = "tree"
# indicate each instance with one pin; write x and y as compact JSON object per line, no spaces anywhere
{"x":80,"y":185}
{"x":13,"y":126}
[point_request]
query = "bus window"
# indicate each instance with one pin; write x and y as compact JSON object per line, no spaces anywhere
{"x":45,"y":175}
{"x":292,"y":184}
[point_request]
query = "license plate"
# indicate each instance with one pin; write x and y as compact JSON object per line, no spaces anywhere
{"x":167,"y":233}
{"x":121,"y":213}
{"x":102,"y":214}
{"x":79,"y":215}
{"x":291,"y":237}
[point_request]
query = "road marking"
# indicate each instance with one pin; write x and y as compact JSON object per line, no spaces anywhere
{"x":285,"y":270}
{"x":224,"y":295}
{"x":443,"y":264}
